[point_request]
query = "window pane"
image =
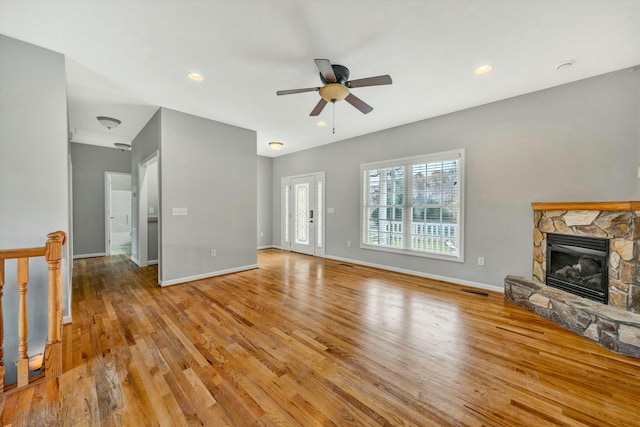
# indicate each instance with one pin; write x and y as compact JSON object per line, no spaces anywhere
{"x":319,"y":215}
{"x":425,"y":220}
{"x":286,"y":212}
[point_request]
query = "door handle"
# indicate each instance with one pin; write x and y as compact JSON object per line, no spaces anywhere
{"x":311,"y":216}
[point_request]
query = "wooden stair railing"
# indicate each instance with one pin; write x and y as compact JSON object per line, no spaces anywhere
{"x":52,"y":362}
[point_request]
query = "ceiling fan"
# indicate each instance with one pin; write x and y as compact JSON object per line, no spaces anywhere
{"x":336,"y":86}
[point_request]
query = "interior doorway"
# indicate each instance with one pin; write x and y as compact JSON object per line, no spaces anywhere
{"x":303,"y":219}
{"x":148,"y":226}
{"x":117,"y":213}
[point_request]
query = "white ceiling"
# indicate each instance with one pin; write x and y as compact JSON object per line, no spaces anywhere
{"x":126,"y":58}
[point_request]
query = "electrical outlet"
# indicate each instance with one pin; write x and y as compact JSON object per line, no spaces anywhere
{"x":150,"y":209}
{"x":348,"y":243}
{"x":480,"y":260}
{"x":213,"y":253}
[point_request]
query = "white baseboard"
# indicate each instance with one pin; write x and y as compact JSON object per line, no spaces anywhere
{"x":421,"y":274}
{"x":268,"y":247}
{"x":152,"y":262}
{"x":135,"y":260}
{"x":206,"y":275}
{"x":66,"y":319}
{"x":89,"y":255}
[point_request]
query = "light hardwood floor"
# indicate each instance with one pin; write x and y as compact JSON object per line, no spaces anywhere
{"x":306,"y":341}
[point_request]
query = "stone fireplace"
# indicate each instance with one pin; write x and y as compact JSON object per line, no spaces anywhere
{"x":611,"y":253}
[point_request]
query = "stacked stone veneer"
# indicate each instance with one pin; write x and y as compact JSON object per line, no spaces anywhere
{"x":623,"y":230}
{"x":615,"y":326}
{"x":615,"y":329}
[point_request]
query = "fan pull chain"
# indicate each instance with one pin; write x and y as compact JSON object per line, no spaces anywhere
{"x":334,"y":116}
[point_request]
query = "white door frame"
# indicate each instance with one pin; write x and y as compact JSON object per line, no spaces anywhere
{"x":319,"y":220}
{"x":143,"y":197}
{"x":107,"y":208}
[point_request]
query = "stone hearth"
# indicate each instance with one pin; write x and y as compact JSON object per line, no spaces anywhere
{"x":615,"y":329}
{"x":616,"y":325}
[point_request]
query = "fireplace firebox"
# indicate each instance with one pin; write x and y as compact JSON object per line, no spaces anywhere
{"x":578,"y":265}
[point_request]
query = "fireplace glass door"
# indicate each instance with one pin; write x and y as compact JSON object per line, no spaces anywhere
{"x":578,"y":265}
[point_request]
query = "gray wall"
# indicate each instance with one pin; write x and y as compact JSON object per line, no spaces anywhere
{"x":637,"y":95}
{"x":210,"y":169}
{"x":265,"y":201}
{"x":89,"y":165}
{"x":34,"y":179}
{"x":143,"y":145}
{"x":576,"y":142}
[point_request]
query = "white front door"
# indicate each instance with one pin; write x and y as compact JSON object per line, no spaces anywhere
{"x":303,"y":219}
{"x":302,"y":210}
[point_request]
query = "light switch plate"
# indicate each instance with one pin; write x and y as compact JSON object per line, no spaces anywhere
{"x":331,"y":210}
{"x":178,"y":211}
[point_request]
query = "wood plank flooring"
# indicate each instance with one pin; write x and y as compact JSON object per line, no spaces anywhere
{"x":306,"y":341}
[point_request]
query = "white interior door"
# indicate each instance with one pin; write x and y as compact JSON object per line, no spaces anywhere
{"x":118,"y":213}
{"x":303,"y":219}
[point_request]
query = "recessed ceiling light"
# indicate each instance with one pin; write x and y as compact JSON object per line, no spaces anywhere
{"x":195,"y":77}
{"x":483,"y":69}
{"x":565,"y":65}
{"x":321,"y":124}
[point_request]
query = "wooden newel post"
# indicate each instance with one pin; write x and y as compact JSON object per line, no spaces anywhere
{"x":53,"y":350}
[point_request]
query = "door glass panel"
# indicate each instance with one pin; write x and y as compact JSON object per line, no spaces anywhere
{"x":286,"y":213}
{"x":319,"y":210}
{"x":301,"y":214}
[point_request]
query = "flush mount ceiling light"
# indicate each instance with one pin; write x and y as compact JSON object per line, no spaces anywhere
{"x":195,"y":77}
{"x":565,"y":65}
{"x":483,"y":69}
{"x":276,"y":145}
{"x":108,"y":122}
{"x":321,"y":124}
{"x":122,"y":145}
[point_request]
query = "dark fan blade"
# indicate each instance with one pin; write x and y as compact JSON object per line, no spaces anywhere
{"x":324,"y":65}
{"x":359,"y":103}
{"x":292,"y":91}
{"x":319,"y":107}
{"x":370,"y":81}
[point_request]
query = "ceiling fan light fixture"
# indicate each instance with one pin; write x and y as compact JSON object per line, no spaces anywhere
{"x":122,"y":145}
{"x":276,"y":145}
{"x":108,"y":122}
{"x":334,"y":92}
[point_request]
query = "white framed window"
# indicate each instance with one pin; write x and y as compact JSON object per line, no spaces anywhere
{"x":414,"y":205}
